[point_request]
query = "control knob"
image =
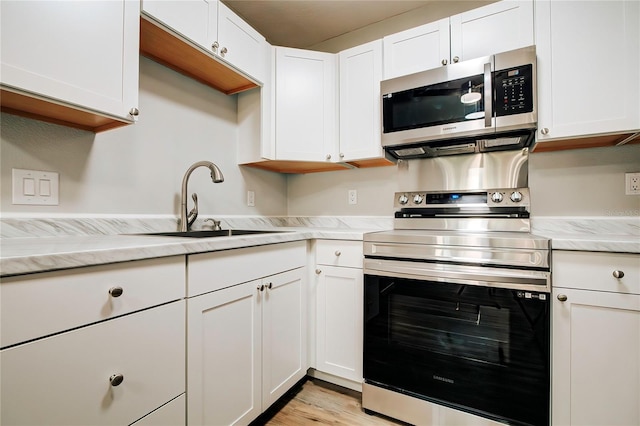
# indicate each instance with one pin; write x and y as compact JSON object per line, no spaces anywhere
{"x":496,"y":197}
{"x":403,"y":199}
{"x":417,"y":199}
{"x":516,"y":196}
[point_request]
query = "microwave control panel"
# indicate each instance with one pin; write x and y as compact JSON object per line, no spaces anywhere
{"x":514,"y":90}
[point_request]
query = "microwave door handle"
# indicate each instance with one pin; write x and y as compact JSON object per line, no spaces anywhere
{"x":488,"y":95}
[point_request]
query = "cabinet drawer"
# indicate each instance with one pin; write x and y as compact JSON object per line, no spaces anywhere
{"x":42,"y":304}
{"x":65,"y":379}
{"x":221,"y":269}
{"x":595,"y":271}
{"x":173,"y":413}
{"x":339,"y":253}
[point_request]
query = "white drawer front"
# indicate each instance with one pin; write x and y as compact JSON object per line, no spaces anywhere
{"x":595,"y":271}
{"x":42,"y":304}
{"x":64,"y":379}
{"x":172,"y":414}
{"x":339,"y":253}
{"x":221,"y":269}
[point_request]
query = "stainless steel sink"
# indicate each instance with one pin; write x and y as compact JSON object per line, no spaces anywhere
{"x":210,"y":233}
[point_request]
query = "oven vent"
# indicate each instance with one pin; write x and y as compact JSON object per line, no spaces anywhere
{"x":502,"y":142}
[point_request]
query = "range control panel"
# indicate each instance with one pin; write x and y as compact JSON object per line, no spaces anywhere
{"x":500,"y":197}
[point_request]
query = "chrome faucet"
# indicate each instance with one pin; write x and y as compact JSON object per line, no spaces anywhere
{"x":187,"y":218}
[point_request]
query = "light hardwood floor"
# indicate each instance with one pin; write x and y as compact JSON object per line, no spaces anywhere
{"x":322,"y":403}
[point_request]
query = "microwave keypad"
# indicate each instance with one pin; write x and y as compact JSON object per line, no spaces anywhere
{"x":514,"y":90}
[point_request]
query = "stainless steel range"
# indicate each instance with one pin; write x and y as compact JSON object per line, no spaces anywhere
{"x":457,"y":309}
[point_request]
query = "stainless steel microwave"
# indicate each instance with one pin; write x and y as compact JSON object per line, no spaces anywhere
{"x":479,"y":105}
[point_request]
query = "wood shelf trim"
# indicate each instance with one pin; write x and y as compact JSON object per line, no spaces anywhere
{"x":587,"y":142}
{"x":169,"y":49}
{"x":51,"y":112}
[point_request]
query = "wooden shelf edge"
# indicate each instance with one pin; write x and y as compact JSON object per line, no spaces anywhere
{"x":598,"y":141}
{"x":24,"y":105}
{"x":302,"y":167}
{"x":169,"y":49}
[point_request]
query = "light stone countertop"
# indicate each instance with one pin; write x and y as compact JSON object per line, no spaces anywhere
{"x":60,"y":249}
{"x":40,"y":254}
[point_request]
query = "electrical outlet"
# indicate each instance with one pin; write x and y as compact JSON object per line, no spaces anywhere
{"x":251,"y":199}
{"x":632,"y":183}
{"x":35,"y":187}
{"x":353,"y":196}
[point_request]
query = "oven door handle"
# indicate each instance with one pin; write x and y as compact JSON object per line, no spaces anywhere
{"x":460,"y":274}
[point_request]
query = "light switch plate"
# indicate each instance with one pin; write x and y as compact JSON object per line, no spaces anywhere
{"x":34,"y":187}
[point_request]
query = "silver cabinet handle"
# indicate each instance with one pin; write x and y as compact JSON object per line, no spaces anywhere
{"x":338,"y":252}
{"x":456,"y":59}
{"x":445,"y":62}
{"x":223,"y":51}
{"x":618,"y":274}
{"x":342,"y":155}
{"x":328,"y":156}
{"x":134,"y":112}
{"x":116,"y":291}
{"x":562,"y":297}
{"x":318,"y":271}
{"x":270,"y":286}
{"x":215,"y":46}
{"x":544,"y":131}
{"x":116,"y":379}
{"x":260,"y":288}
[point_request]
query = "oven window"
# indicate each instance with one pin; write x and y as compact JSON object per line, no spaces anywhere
{"x":480,"y":349}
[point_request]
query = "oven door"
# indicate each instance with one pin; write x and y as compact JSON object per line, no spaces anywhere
{"x":484,"y":350}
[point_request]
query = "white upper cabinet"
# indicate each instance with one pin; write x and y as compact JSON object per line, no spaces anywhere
{"x":417,"y":49}
{"x":194,"y":19}
{"x":82,"y":55}
{"x":588,"y":68}
{"x":360,"y":76}
{"x":241,"y":45}
{"x":495,"y":28}
{"x":305,"y":105}
{"x":215,"y":28}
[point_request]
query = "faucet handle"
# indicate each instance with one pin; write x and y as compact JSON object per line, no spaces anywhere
{"x":216,"y":224}
{"x":193,"y":214}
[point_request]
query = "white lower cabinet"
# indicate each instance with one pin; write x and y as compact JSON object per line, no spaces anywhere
{"x":246,"y":343}
{"x":113,"y":372}
{"x":596,"y":339}
{"x":339,"y":317}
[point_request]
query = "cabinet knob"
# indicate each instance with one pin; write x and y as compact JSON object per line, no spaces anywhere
{"x":445,"y":62}
{"x":342,"y":155}
{"x":338,"y":252}
{"x":215,"y":46}
{"x":116,"y":379}
{"x":328,"y":156}
{"x":134,"y":112}
{"x":260,"y":288}
{"x":618,"y":274}
{"x":270,"y":286}
{"x":318,"y":271}
{"x":544,"y":131}
{"x":562,"y":297}
{"x":223,"y":51}
{"x":116,"y":291}
{"x":456,"y":59}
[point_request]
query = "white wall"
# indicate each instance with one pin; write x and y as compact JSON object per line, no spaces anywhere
{"x":587,"y":182}
{"x":138,"y":169}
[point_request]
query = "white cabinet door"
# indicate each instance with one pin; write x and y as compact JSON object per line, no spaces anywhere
{"x":241,"y":45}
{"x":417,"y":49}
{"x":596,"y":358}
{"x":588,"y":67}
{"x":305,"y":105}
{"x":360,"y":76}
{"x":339,"y":319}
{"x":224,"y":356}
{"x":495,"y":28}
{"x":83,"y":54}
{"x":193,"y":19}
{"x":284,"y":342}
